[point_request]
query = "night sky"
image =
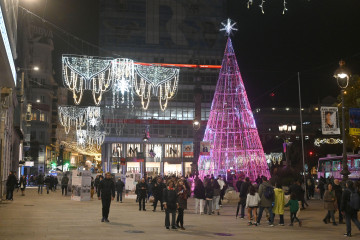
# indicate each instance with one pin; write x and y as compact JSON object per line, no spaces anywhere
{"x":271,"y":48}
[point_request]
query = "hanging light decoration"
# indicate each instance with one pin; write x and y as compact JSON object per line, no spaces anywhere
{"x":87,"y":73}
{"x":93,"y":116}
{"x":72,"y":116}
{"x":154,"y":80}
{"x":81,"y":136}
{"x":123,"y":77}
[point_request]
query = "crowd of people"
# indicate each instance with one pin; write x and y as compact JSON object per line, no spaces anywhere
{"x":171,"y":193}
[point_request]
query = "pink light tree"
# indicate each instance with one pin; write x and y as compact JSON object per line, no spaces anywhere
{"x":231,"y":130}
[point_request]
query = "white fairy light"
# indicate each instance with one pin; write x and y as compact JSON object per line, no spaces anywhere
{"x":86,"y":73}
{"x":228,"y":27}
{"x":72,"y":116}
{"x":123,"y":76}
{"x":262,"y":6}
{"x":285,"y":9}
{"x":158,"y":81}
{"x":250,"y":2}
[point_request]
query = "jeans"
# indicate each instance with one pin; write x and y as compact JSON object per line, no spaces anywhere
{"x":156,"y":199}
{"x":270,"y":213}
{"x":105,"y":207}
{"x":208,"y":207}
{"x":330,"y":213}
{"x":198,"y":202}
{"x":9,"y":193}
{"x":215,"y":202}
{"x":167,"y":217}
{"x":180,"y":218}
{"x":351,"y":217}
{"x":281,"y":218}
{"x":294,"y":217}
{"x":142,"y":199}
{"x":63,"y":189}
{"x":40,"y":187}
{"x":119,"y":196}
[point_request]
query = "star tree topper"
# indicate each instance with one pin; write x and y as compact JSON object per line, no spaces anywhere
{"x":228,"y":27}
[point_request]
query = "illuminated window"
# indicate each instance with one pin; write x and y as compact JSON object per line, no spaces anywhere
{"x":154,"y":151}
{"x":132,"y":149}
{"x":116,"y":149}
{"x":42,"y":117}
{"x":33,"y":116}
{"x":172,"y":150}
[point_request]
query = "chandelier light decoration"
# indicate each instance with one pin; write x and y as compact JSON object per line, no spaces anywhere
{"x":72,"y":116}
{"x":261,"y":5}
{"x":319,"y":141}
{"x":87,"y":73}
{"x":161,"y":82}
{"x":123,"y":77}
{"x":231,"y":130}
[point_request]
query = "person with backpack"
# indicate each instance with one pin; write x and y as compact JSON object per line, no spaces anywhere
{"x":330,"y":204}
{"x":267,"y":197}
{"x":294,"y":208}
{"x":350,"y":205}
{"x":278,"y":208}
{"x":252,"y":204}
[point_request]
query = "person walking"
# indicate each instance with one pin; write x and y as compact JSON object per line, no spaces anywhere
{"x":40,"y":183}
{"x":11,"y":182}
{"x":252,"y":204}
{"x":294,"y":208}
{"x":158,"y":188}
{"x":182,"y":195}
{"x":170,"y":204}
{"x":223,"y":187}
{"x":350,"y":206}
{"x":267,"y":197}
{"x":330,"y":204}
{"x":119,"y":189}
{"x":64,"y":185}
{"x":92,"y":188}
{"x":47,"y":182}
{"x":22,"y":184}
{"x":199,"y":195}
{"x":338,"y":193}
{"x":141,"y":192}
{"x":209,"y":194}
{"x":96,"y":182}
{"x":56,"y":182}
{"x":216,"y":197}
{"x":279,"y":204}
{"x":244,"y":190}
{"x":106,"y":193}
{"x":321,"y":187}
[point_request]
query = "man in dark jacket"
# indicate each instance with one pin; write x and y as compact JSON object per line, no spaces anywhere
{"x":47,"y":182}
{"x":106,"y":193}
{"x":119,"y":189}
{"x":96,"y":183}
{"x":158,"y":187}
{"x":142,"y":192}
{"x":64,"y":184}
{"x":10,"y":186}
{"x":239,"y":182}
{"x":347,"y":210}
{"x":170,"y":205}
{"x":40,"y":183}
{"x":338,"y":193}
{"x":243,"y":194}
{"x":266,"y":200}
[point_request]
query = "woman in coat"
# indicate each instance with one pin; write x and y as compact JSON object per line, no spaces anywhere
{"x":22,"y":185}
{"x":278,"y":208}
{"x":182,"y":193}
{"x":329,"y":204}
{"x":170,"y":204}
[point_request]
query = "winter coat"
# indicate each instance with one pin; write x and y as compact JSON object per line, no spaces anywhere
{"x":329,"y":200}
{"x":119,"y":186}
{"x":199,"y":191}
{"x":238,"y":185}
{"x":252,"y":200}
{"x":11,"y":182}
{"x":47,"y":180}
{"x":338,"y":192}
{"x":244,"y":189}
{"x":279,"y":201}
{"x":170,"y":198}
{"x":23,"y":182}
{"x":264,"y":202}
{"x":216,"y":191}
{"x":64,"y":181}
{"x":157,"y":189}
{"x":209,"y":191}
{"x":106,"y":189}
{"x":345,"y":202}
{"x":182,"y":197}
{"x":294,"y":205}
{"x":40,"y":180}
{"x":141,"y":189}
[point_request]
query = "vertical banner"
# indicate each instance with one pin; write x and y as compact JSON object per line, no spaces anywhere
{"x":188,"y":149}
{"x":204,"y":148}
{"x":354,"y":121}
{"x":329,"y":120}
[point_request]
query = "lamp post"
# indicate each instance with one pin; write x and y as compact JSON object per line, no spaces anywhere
{"x":287,"y":128}
{"x":342,"y":75}
{"x":145,"y":140}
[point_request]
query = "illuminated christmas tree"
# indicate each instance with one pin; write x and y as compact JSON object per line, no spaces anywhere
{"x":231,"y":129}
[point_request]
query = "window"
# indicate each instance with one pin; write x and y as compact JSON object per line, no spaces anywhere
{"x":42,"y":117}
{"x":33,"y":116}
{"x":132,"y":149}
{"x":172,"y":150}
{"x":116,"y":149}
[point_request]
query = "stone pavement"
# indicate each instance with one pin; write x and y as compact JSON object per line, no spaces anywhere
{"x":55,"y":217}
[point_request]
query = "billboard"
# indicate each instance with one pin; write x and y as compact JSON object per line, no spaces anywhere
{"x":188,"y":149}
{"x":354,"y":121}
{"x":329,"y":120}
{"x":204,"y":148}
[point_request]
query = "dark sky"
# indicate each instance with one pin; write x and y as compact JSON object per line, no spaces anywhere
{"x":271,"y":48}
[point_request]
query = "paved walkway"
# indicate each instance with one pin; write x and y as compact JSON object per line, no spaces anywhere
{"x":55,"y":217}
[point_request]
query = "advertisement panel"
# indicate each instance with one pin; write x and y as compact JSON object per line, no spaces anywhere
{"x":188,"y":149}
{"x":329,"y":120}
{"x":354,"y":121}
{"x":204,"y":148}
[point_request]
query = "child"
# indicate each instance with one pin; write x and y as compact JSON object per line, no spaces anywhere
{"x":294,"y":207}
{"x":252,"y":203}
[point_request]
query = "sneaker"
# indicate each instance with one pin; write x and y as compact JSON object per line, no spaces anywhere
{"x":102,"y":220}
{"x":242,"y":218}
{"x":249,"y":223}
{"x":256,"y":224}
{"x":281,"y":224}
{"x":347,"y":235}
{"x":107,"y":220}
{"x":271,"y":225}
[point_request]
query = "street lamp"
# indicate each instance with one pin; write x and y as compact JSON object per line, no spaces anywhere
{"x":342,"y":75}
{"x":287,"y":128}
{"x":145,"y":140}
{"x":196,"y":125}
